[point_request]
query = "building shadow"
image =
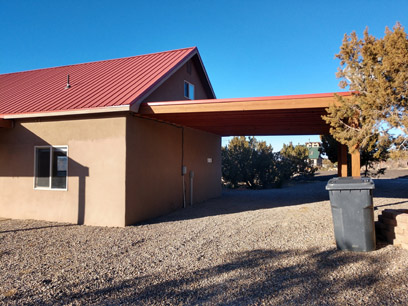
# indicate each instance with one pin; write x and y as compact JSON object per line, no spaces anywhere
{"x":25,"y":142}
{"x":260,"y":276}
{"x":236,"y":201}
{"x":34,"y":228}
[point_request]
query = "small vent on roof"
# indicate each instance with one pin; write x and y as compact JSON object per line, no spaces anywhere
{"x":68,"y":85}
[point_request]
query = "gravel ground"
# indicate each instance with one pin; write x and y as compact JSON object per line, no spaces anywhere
{"x":268,"y":247}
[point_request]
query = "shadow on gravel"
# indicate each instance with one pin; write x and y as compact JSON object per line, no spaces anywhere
{"x":391,"y":188}
{"x":236,"y":201}
{"x":391,"y":204}
{"x":35,"y":228}
{"x":253,"y":277}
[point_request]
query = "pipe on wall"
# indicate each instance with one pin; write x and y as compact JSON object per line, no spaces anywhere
{"x":191,"y":187}
{"x":183,"y":173}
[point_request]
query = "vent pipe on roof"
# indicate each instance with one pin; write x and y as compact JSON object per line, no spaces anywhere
{"x":68,"y":85}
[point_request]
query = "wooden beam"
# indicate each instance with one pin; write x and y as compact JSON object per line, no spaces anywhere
{"x":269,"y":122}
{"x":305,"y":114}
{"x":226,"y":127}
{"x":282,"y":115}
{"x":342,"y":160}
{"x":260,"y":131}
{"x":355,"y":163}
{"x":240,"y":104}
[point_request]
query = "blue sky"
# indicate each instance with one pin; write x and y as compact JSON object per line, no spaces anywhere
{"x":249,"y":48}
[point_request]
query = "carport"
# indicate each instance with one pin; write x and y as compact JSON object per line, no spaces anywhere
{"x":278,"y":115}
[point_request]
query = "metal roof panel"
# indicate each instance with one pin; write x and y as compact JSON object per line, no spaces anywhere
{"x":101,"y":84}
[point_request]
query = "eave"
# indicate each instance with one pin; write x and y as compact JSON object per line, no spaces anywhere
{"x":279,"y":115}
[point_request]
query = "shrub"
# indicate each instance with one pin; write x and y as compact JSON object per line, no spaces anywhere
{"x":253,"y":163}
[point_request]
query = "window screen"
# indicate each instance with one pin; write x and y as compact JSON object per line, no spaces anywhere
{"x":59,"y":168}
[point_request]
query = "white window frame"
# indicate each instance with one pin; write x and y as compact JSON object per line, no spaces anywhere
{"x":64,"y":147}
{"x":184,"y":89}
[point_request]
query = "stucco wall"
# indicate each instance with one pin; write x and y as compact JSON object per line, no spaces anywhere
{"x":96,"y":170}
{"x":173,"y":88}
{"x":122,"y":169}
{"x":154,"y":161}
{"x":198,"y":148}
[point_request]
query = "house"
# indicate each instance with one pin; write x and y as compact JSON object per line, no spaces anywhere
{"x":73,"y":147}
{"x":314,"y":154}
{"x":120,"y":141}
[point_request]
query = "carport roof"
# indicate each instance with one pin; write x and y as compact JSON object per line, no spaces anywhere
{"x":278,"y":115}
{"x":122,"y":84}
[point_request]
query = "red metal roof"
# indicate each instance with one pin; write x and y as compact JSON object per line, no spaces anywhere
{"x":110,"y":83}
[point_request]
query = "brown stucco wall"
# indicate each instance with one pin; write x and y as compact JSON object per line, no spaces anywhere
{"x":96,"y":170}
{"x":152,"y":169}
{"x":122,"y":169}
{"x":198,"y":147}
{"x":154,"y":161}
{"x":173,"y":88}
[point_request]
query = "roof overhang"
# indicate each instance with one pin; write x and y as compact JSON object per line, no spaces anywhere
{"x":280,"y":115}
{"x":6,"y":123}
{"x":74,"y":112}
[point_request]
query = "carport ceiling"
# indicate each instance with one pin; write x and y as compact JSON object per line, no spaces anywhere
{"x":281,"y":115}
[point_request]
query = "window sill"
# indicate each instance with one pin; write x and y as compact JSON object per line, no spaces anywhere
{"x":53,"y":189}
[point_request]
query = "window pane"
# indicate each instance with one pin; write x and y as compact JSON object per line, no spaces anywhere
{"x":42,"y":167}
{"x":188,"y":90}
{"x":59,"y":168}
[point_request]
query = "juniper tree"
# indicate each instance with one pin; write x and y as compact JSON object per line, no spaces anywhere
{"x":375,"y":70}
{"x":369,"y":156}
{"x":298,"y":156}
{"x":254,"y":163}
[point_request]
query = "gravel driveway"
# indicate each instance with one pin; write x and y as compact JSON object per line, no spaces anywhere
{"x":269,"y":247}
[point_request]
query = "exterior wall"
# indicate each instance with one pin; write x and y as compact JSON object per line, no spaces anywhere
{"x":153,"y":170}
{"x":96,"y":170}
{"x":173,"y":88}
{"x":121,"y":169}
{"x":198,"y":148}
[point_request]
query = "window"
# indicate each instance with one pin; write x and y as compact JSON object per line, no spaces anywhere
{"x":51,"y":167}
{"x":188,"y":90}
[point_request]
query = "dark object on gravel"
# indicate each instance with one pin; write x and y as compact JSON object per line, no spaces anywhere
{"x":353,"y":214}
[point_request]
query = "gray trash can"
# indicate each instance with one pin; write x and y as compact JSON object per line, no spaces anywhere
{"x":353,"y":213}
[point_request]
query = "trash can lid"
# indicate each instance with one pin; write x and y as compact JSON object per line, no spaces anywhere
{"x":350,"y":183}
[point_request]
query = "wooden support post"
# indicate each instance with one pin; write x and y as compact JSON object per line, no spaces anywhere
{"x":355,"y":163}
{"x":342,"y":160}
{"x":355,"y":152}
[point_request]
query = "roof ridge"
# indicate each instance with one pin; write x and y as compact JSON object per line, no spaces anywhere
{"x":112,"y":59}
{"x":107,"y":83}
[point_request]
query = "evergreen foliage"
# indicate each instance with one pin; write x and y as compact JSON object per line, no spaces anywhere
{"x":298,"y":157}
{"x":329,"y":147}
{"x":375,"y":70}
{"x":369,"y":156}
{"x":254,"y":163}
